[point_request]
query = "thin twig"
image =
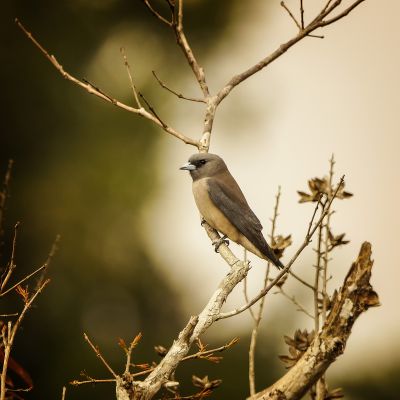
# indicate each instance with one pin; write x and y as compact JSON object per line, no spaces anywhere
{"x":301,"y":280}
{"x":327,"y":244}
{"x":257,"y":319}
{"x":324,"y":231}
{"x":187,"y":51}
{"x":302,"y":14}
{"x":342,"y":14}
{"x":11,"y":264}
{"x":326,"y":5}
{"x":128,"y":351}
{"x":316,"y":23}
{"x":317,"y":279}
{"x":157,"y":14}
{"x":91,"y":380}
{"x":305,"y":243}
{"x":64,"y":392}
{"x":128,"y":70}
{"x":319,"y":202}
{"x":203,"y":354}
{"x":4,"y":192}
{"x":296,"y":303}
{"x":179,"y":95}
{"x":153,"y":111}
{"x":292,"y":16}
{"x":53,"y":250}
{"x":22,"y":280}
{"x":98,"y":354}
{"x":245,"y":293}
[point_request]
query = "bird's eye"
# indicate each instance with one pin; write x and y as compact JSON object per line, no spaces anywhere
{"x":202,"y":162}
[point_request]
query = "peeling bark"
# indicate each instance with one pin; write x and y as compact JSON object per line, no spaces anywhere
{"x":353,"y":298}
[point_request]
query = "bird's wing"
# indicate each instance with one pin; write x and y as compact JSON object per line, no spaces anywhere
{"x":234,"y":206}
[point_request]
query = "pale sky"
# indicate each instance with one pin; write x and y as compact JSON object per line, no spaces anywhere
{"x":337,"y":95}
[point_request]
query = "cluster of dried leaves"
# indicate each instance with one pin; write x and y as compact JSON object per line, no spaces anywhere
{"x":319,"y":187}
{"x":172,"y":387}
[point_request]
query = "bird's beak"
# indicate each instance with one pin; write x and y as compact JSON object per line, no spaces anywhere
{"x":188,"y":167}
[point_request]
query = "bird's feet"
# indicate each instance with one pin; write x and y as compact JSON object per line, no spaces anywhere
{"x":218,"y":242}
{"x":203,"y":221}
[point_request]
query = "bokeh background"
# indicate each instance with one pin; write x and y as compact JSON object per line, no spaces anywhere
{"x":132,"y":255}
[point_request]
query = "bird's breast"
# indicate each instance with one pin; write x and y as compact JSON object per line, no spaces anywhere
{"x":210,"y":212}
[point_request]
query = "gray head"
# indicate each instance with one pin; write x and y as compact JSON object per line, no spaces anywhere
{"x":204,"y":165}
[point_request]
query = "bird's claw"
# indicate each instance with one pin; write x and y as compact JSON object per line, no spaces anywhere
{"x":220,"y":241}
{"x":203,"y":221}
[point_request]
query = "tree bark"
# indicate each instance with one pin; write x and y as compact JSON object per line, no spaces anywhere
{"x":354,"y":297}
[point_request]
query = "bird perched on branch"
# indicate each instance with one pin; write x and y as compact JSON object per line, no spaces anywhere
{"x":224,"y":207}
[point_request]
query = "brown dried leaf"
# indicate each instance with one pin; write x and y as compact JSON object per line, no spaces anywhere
{"x":342,"y":194}
{"x":288,"y":340}
{"x":305,"y":197}
{"x":287,"y":361}
{"x":373,"y":299}
{"x":279,"y":243}
{"x":200,"y":345}
{"x":318,"y":187}
{"x":136,"y":340}
{"x":160,"y":350}
{"x":23,"y":292}
{"x":122,"y":344}
{"x":143,"y":366}
{"x":337,"y":240}
{"x":297,"y":346}
{"x":335,"y":394}
{"x":205,"y":383}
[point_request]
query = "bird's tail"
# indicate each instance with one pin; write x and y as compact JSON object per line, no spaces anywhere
{"x":271,"y":256}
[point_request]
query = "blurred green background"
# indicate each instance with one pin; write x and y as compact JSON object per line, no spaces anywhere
{"x":85,"y":170}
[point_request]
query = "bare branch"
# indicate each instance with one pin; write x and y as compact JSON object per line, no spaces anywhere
{"x":179,"y":95}
{"x":11,"y":264}
{"x":153,"y":111}
{"x":128,"y":351}
{"x":4,"y":192}
{"x":317,"y":280}
{"x":95,"y":91}
{"x":99,"y":355}
{"x":196,"y":325}
{"x":22,"y":280}
{"x":187,"y":51}
{"x":92,"y":381}
{"x":204,"y":354}
{"x":128,"y":70}
{"x":342,"y":14}
{"x":257,"y":318}
{"x":292,"y":16}
{"x":46,"y":264}
{"x":301,"y":280}
{"x":318,"y":22}
{"x":293,"y":299}
{"x":355,"y":297}
{"x":157,"y":14}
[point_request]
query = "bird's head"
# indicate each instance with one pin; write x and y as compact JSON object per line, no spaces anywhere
{"x":204,"y":165}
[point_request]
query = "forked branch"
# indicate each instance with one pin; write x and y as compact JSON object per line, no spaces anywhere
{"x":90,"y":88}
{"x":355,"y":297}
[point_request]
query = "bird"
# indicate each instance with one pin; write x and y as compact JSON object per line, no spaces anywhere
{"x":223,"y":206}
